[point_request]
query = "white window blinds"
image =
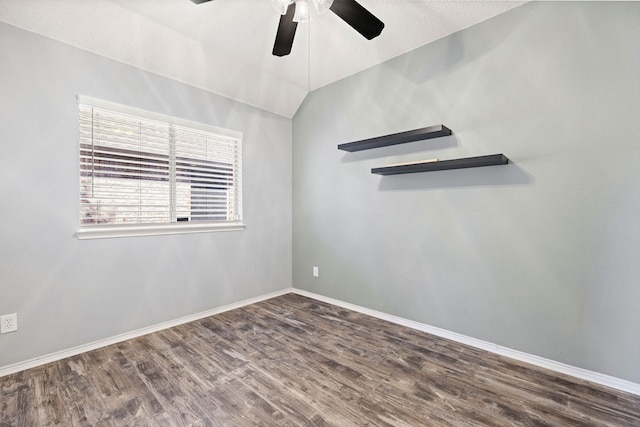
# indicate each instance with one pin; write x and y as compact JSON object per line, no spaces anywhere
{"x":146,"y":173}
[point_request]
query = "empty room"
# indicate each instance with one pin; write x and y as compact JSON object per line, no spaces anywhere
{"x":316,"y":212}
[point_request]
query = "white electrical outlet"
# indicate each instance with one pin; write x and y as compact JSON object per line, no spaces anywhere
{"x":316,"y":272}
{"x":8,"y":323}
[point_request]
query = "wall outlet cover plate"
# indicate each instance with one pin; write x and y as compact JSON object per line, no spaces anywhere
{"x":8,"y":323}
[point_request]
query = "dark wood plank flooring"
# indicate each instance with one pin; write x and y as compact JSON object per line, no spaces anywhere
{"x":293,"y":361}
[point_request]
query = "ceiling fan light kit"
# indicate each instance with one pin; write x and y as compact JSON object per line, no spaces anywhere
{"x":281,"y":6}
{"x":322,"y":5}
{"x":294,"y":11}
{"x":302,"y":11}
{"x":350,"y":11}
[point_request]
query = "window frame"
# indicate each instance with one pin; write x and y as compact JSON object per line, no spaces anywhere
{"x":152,"y":229}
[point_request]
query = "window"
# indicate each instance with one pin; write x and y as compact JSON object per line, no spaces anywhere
{"x":143,"y":173}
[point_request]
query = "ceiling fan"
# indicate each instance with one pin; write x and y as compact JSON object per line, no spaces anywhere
{"x":294,"y":11}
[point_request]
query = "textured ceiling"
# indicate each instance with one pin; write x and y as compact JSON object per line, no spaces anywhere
{"x":224,"y":46}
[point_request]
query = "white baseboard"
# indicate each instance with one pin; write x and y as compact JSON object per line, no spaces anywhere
{"x":38,"y":361}
{"x":584,"y":374}
{"x":595,"y":377}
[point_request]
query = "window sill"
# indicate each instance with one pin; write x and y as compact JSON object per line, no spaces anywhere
{"x":154,"y":230}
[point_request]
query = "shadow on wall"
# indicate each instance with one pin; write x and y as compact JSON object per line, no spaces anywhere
{"x":490,"y":176}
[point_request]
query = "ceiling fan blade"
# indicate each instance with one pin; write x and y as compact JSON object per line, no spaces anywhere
{"x":363,"y":21}
{"x":286,"y":32}
{"x":200,"y":1}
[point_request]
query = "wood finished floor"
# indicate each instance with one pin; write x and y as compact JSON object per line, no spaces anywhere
{"x":293,"y":361}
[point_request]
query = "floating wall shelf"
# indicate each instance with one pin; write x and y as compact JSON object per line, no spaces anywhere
{"x":397,"y":138}
{"x":437,"y":165}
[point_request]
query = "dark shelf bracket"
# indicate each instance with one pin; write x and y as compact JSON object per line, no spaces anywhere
{"x":397,"y":138}
{"x":429,"y":166}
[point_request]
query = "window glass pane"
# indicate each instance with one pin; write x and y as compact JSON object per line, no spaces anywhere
{"x":138,"y":170}
{"x":204,"y":176}
{"x":124,"y":168}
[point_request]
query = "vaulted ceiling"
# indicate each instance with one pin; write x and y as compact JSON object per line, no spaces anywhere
{"x":224,"y":46}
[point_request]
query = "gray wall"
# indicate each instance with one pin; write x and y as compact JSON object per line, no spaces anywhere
{"x":540,"y":255}
{"x":69,"y":292}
